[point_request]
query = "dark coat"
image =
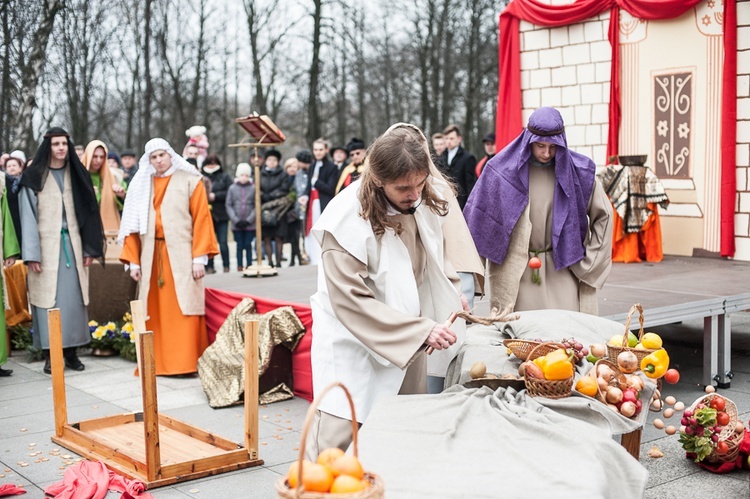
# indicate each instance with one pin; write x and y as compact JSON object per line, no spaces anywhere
{"x":274,"y":184}
{"x":240,"y":206}
{"x":220,"y":182}
{"x":328,"y":177}
{"x":462,"y":172}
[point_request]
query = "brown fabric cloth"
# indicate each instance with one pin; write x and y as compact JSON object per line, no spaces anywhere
{"x":221,"y":368}
{"x":15,"y":279}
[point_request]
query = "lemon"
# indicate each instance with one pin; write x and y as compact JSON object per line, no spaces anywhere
{"x":651,"y":341}
{"x":616,"y":340}
{"x":639,"y":346}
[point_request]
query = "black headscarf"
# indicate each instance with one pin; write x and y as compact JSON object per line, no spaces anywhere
{"x":84,"y":198}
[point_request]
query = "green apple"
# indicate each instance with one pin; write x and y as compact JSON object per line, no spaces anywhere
{"x":632,"y":339}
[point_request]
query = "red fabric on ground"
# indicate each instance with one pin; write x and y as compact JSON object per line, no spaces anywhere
{"x":92,"y":480}
{"x":8,"y":489}
{"x":218,"y":305}
{"x":737,"y":463}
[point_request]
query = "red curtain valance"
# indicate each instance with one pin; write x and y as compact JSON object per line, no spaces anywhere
{"x":509,"y":121}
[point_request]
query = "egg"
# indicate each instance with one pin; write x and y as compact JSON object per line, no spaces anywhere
{"x":670,"y":430}
{"x":668,"y":412}
{"x":658,"y":423}
{"x":670,"y":400}
{"x":679,"y":406}
{"x":710,"y":389}
{"x":739,"y":427}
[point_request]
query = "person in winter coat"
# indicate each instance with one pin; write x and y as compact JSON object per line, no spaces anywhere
{"x":220,"y":182}
{"x":240,"y":206}
{"x":275,"y":184}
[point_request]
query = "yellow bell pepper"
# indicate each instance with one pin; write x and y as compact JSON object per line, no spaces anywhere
{"x":555,"y":365}
{"x":656,"y":364}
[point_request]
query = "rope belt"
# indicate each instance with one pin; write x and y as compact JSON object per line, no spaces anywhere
{"x":64,"y":233}
{"x":159,"y":261}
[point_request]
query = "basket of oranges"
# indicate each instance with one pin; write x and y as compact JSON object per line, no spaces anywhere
{"x":335,"y":474}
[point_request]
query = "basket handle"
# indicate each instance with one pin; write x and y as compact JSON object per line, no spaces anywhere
{"x":545,"y":343}
{"x":635,"y":307}
{"x":308,"y":421}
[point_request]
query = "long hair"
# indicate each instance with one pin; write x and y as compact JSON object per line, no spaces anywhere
{"x":402,"y":150}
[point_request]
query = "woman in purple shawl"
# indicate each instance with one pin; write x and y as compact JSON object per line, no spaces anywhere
{"x":537,"y":198}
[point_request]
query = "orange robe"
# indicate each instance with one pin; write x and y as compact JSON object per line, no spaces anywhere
{"x":179,"y":340}
{"x":639,"y":246}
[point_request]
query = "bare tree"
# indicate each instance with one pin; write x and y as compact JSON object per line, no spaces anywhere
{"x":149,"y":95}
{"x":24,"y":132}
{"x":313,"y":106}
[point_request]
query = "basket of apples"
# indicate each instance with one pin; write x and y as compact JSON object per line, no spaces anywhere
{"x":711,"y":429}
{"x":334,"y":474}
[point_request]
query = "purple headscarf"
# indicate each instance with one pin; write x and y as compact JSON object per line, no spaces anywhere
{"x":502,"y":192}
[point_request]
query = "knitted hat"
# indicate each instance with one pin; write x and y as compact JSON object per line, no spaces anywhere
{"x":18,"y":154}
{"x":243,"y":169}
{"x":305,"y":156}
{"x":273,"y":152}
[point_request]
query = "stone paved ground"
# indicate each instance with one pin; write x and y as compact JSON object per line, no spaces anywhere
{"x":108,"y":387}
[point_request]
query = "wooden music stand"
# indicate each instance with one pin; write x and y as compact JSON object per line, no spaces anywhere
{"x":262,"y":132}
{"x":147,"y":446}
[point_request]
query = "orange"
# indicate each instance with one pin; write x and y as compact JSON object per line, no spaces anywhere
{"x":346,"y":484}
{"x":294,"y":470}
{"x":587,"y":385}
{"x":317,"y":479}
{"x":328,"y":456}
{"x":348,"y":465}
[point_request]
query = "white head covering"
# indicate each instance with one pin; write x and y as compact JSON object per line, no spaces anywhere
{"x":18,"y":154}
{"x":243,"y":168}
{"x":136,"y":209}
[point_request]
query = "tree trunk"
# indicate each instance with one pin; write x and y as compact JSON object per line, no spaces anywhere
{"x":149,"y":94}
{"x":313,"y":110}
{"x":5,"y":90}
{"x":24,"y":132}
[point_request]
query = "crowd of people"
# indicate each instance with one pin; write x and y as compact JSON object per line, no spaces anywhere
{"x":403,"y":231}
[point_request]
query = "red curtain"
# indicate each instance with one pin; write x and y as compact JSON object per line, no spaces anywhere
{"x":729,"y":129}
{"x":218,"y":305}
{"x":509,"y":121}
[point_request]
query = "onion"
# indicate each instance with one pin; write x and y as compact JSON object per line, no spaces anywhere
{"x":627,"y":409}
{"x":614,"y":395}
{"x":627,"y":362}
{"x":635,"y":381}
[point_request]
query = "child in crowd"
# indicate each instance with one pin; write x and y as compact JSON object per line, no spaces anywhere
{"x":240,"y":205}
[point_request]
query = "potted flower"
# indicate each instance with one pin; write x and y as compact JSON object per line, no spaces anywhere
{"x":103,"y":338}
{"x":125,"y":339}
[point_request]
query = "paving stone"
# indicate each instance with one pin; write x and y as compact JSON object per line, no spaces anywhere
{"x":43,"y":423}
{"x":253,"y":482}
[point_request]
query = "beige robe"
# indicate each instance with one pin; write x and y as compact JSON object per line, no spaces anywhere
{"x":43,"y":285}
{"x":571,"y":288}
{"x":178,"y":233}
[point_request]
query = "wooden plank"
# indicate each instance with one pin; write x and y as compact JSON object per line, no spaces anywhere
{"x":150,"y":408}
{"x":138,"y":314}
{"x":106,"y":422}
{"x":91,"y":447}
{"x":632,"y":443}
{"x":197,"y":433}
{"x":251,"y":388}
{"x":58,"y":368}
{"x":205,"y":464}
{"x":194,"y":476}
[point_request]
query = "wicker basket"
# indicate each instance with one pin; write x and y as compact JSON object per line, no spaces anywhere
{"x":521,"y":348}
{"x":621,"y":379}
{"x":553,"y":389}
{"x":613,"y":352}
{"x":727,"y":434}
{"x":376,"y":489}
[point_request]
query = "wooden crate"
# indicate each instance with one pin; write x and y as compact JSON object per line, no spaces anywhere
{"x":147,"y":446}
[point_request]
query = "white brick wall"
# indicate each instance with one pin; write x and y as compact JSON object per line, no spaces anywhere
{"x":568,"y":68}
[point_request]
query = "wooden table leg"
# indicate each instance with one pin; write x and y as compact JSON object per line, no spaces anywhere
{"x":632,"y":443}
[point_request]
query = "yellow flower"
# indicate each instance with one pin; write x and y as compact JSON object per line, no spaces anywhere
{"x":110,"y":326}
{"x":127,"y":317}
{"x":132,"y":336}
{"x":93,"y":324}
{"x":99,"y":333}
{"x":128,"y":326}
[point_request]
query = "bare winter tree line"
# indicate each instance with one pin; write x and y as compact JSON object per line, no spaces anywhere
{"x":124,"y":71}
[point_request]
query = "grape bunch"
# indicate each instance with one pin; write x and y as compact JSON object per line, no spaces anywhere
{"x":576,"y":348}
